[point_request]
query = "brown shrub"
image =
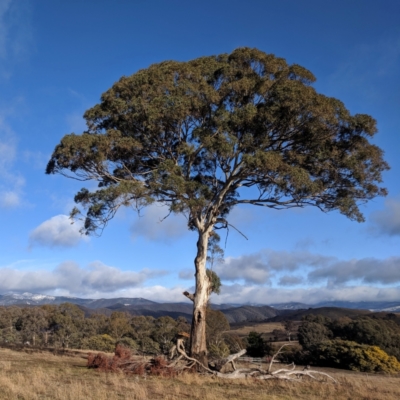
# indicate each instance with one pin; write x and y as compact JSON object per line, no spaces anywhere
{"x":99,"y":360}
{"x":121,"y":361}
{"x":159,"y":367}
{"x":122,"y":352}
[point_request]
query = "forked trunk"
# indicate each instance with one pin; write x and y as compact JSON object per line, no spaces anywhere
{"x":198,"y":346}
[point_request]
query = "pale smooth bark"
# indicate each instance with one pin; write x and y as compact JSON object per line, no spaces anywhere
{"x":198,"y":346}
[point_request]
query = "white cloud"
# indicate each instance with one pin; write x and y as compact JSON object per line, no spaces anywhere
{"x":260,"y":267}
{"x":154,"y":226}
{"x":252,"y":268}
{"x":259,"y":294}
{"x":57,"y":232}
{"x":157,"y":293}
{"x":289,"y":280}
{"x":267,"y":265}
{"x":387,"y":221}
{"x":366,"y":270}
{"x":187,"y":274}
{"x":96,"y":280}
{"x":9,"y":199}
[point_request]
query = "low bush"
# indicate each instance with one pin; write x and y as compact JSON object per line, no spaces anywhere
{"x":350,"y":355}
{"x":100,"y":343}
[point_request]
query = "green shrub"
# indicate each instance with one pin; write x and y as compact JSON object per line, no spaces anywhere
{"x":101,"y":343}
{"x":128,"y":343}
{"x":350,"y":355}
{"x":219,"y":350}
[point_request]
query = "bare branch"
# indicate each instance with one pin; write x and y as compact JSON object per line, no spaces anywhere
{"x":190,"y":296}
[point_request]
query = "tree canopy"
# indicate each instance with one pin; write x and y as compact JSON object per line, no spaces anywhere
{"x":205,"y":135}
{"x":194,"y":134}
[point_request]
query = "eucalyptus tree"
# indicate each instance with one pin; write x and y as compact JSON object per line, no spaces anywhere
{"x":204,"y":136}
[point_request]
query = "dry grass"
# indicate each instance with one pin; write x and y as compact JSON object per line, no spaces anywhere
{"x":266,"y":327}
{"x":45,"y":376}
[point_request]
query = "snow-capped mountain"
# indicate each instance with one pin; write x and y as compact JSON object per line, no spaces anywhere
{"x":40,"y":299}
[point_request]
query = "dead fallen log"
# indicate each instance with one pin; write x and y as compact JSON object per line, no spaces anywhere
{"x":124,"y":361}
{"x":218,"y":365}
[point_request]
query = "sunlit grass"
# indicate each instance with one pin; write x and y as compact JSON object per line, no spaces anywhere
{"x":46,"y":376}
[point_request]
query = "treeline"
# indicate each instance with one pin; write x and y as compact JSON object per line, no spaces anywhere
{"x":65,"y":326}
{"x":362,"y":344}
{"x":365,"y":343}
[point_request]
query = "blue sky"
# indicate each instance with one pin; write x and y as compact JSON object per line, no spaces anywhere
{"x":57,"y":57}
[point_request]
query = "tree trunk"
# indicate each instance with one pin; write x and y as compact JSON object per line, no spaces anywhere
{"x":198,"y":346}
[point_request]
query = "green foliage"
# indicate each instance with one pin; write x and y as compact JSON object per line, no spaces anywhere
{"x":219,"y":350}
{"x":215,"y":256}
{"x":383,"y":332}
{"x":119,"y":325}
{"x":100,"y":343}
{"x":127,"y":342}
{"x":215,"y":252}
{"x":217,"y":324}
{"x":66,"y":326}
{"x":147,"y":345}
{"x":234,"y":342}
{"x":164,"y":333}
{"x":293,"y":354}
{"x":198,"y":135}
{"x":311,"y":333}
{"x":203,"y":136}
{"x":354,"y":356}
{"x":256,"y":346}
{"x":215,"y":281}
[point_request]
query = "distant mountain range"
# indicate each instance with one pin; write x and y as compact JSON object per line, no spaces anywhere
{"x":389,"y":306}
{"x":40,"y":299}
{"x":235,"y":313}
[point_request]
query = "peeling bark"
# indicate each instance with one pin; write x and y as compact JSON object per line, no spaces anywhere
{"x":198,"y":347}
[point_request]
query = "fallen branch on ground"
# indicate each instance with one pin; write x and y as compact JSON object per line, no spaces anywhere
{"x":124,"y":361}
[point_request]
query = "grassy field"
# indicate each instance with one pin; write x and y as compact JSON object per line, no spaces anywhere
{"x":34,"y":376}
{"x":266,"y":327}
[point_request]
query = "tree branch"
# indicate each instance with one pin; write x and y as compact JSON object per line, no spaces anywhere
{"x":190,"y":296}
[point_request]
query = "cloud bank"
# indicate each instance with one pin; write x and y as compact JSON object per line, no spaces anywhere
{"x":56,"y":232}
{"x":266,"y":295}
{"x":97,"y":279}
{"x":294,"y":268}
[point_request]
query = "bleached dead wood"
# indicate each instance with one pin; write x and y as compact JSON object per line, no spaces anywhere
{"x":273,"y":359}
{"x":290,"y":373}
{"x":218,"y":365}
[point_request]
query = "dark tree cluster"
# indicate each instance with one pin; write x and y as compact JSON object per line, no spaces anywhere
{"x":65,"y":326}
{"x":364,"y":343}
{"x":257,"y":346}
